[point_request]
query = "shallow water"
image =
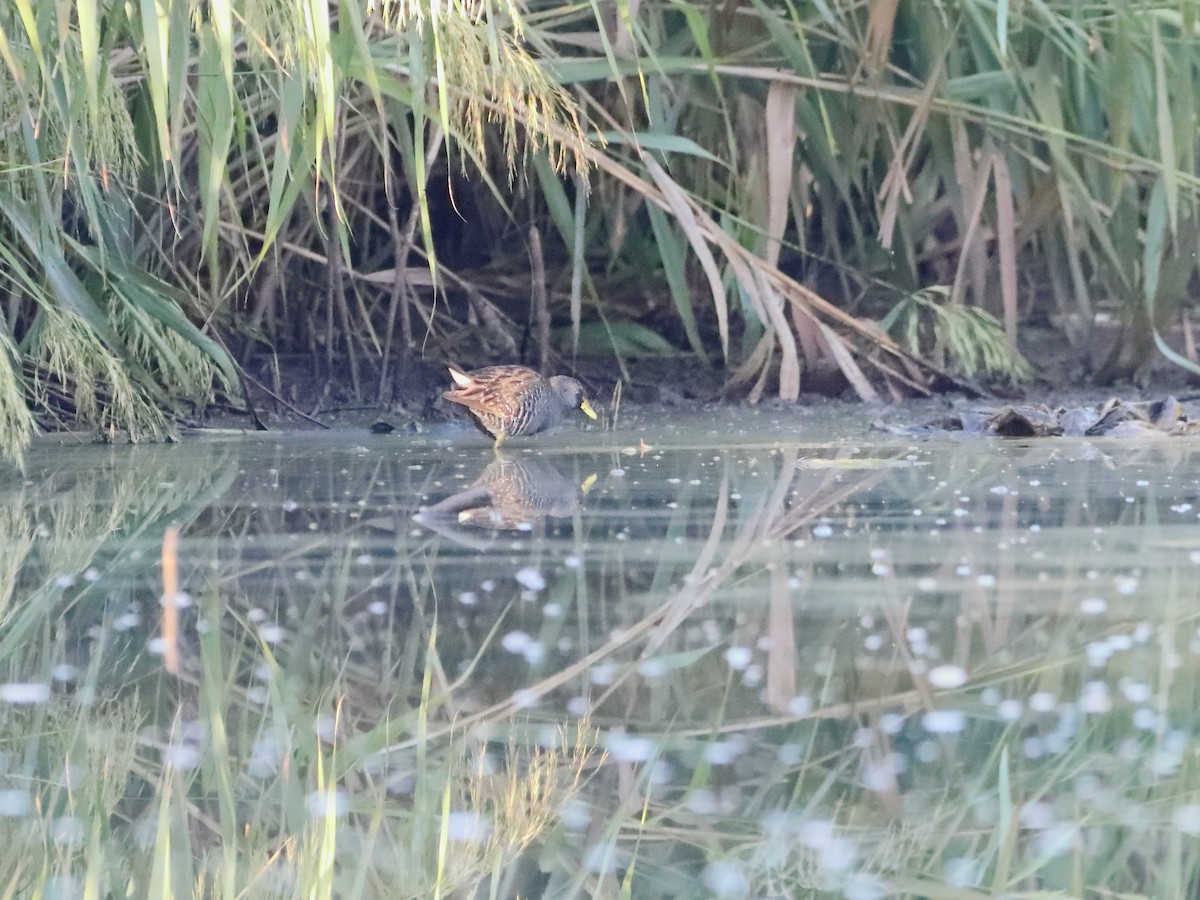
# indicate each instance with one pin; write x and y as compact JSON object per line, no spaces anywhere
{"x":778,"y":655}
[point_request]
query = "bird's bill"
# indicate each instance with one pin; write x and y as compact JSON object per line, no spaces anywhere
{"x":587,"y":409}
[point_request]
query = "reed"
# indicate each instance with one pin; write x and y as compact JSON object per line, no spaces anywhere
{"x":359,"y":182}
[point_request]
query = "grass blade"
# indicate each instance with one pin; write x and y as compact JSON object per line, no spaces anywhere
{"x":684,"y":214}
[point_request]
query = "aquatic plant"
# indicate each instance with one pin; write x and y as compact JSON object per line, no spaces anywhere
{"x":752,"y":187}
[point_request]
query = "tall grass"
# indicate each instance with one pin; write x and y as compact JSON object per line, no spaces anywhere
{"x":367,"y":182}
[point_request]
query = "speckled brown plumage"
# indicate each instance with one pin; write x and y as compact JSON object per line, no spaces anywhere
{"x":506,"y":401}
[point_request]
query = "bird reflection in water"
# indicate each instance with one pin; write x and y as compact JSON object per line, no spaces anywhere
{"x":509,"y":495}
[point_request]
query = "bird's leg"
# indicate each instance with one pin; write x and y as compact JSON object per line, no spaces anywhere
{"x":499,"y":440}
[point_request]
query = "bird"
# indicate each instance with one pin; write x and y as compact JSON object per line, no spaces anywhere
{"x":507,"y":401}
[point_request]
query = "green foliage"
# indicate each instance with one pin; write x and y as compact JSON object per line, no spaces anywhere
{"x":158,"y":155}
{"x":75,"y":356}
{"x":1012,"y":157}
{"x":67,"y":220}
{"x":16,"y":421}
{"x":228,"y":86}
{"x":967,"y":338}
{"x":487,"y":77}
{"x":622,"y":338}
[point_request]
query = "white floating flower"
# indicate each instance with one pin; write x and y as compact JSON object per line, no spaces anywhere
{"x":947,"y":676}
{"x":944,"y":721}
{"x":531,"y":579}
{"x":24,"y":692}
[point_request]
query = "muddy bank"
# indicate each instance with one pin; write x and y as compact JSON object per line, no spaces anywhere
{"x":292,"y":393}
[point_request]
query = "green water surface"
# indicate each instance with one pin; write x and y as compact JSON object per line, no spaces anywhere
{"x":742,"y":654}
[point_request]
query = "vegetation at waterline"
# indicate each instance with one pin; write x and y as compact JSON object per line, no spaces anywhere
{"x":755,"y":184}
